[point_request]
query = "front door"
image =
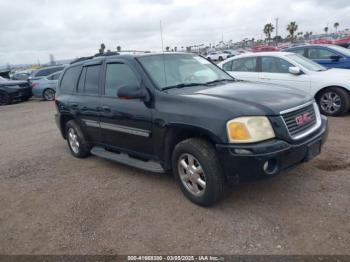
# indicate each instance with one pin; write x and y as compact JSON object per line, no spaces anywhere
{"x":126,"y":124}
{"x":275,"y":70}
{"x":326,"y":57}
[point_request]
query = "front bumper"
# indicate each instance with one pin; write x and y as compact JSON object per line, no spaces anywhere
{"x":245,"y":162}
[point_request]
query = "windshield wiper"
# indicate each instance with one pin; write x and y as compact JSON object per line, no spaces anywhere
{"x":182,"y":85}
{"x":219,"y":80}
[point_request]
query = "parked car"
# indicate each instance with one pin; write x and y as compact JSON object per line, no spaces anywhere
{"x":179,"y":111}
{"x":46,"y":87}
{"x":218,"y":56}
{"x":330,"y":56}
{"x":23,"y":76}
{"x":11,"y":90}
{"x":43,"y":72}
{"x":330,"y":87}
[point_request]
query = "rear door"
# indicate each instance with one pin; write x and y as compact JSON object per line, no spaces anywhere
{"x":275,"y":70}
{"x":85,"y":103}
{"x":244,"y":68}
{"x":125,"y":123}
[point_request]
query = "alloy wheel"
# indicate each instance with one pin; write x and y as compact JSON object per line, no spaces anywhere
{"x":49,"y":94}
{"x":192,"y":174}
{"x":330,"y":102}
{"x":73,"y":140}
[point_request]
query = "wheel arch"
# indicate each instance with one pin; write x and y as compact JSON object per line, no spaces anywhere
{"x":63,"y":122}
{"x":175,"y":133}
{"x":330,"y":86}
{"x":47,"y":88}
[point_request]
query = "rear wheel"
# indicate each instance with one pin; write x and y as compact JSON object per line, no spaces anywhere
{"x":198,"y":172}
{"x":77,"y":143}
{"x":333,"y":101}
{"x":5,"y":99}
{"x":49,"y":94}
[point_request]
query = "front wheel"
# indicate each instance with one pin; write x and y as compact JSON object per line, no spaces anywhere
{"x":198,"y":172}
{"x":333,"y":101}
{"x":220,"y":58}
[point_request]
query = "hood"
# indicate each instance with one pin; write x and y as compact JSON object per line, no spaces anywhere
{"x":13,"y":83}
{"x":250,"y":97}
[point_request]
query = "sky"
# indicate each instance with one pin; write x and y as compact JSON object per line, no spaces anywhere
{"x":30,"y":30}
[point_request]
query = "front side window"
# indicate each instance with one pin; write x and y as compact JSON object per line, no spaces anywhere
{"x":70,"y":79}
{"x":274,"y":65}
{"x":320,"y":53}
{"x":118,"y":75}
{"x":169,"y":70}
{"x":247,"y":64}
{"x":299,"y":51}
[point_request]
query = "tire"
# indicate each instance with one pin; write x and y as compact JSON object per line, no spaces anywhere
{"x":5,"y":99}
{"x":205,"y":157}
{"x":220,"y":58}
{"x":49,"y":94}
{"x":25,"y":99}
{"x":333,"y":101}
{"x":78,"y":145}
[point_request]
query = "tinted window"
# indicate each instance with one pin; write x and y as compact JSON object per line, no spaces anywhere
{"x":70,"y":79}
{"x":247,"y":64}
{"x":43,"y":72}
{"x":320,"y":53}
{"x":227,"y":66}
{"x":91,"y":80}
{"x":81,"y":84}
{"x":274,"y":65}
{"x":118,"y":75}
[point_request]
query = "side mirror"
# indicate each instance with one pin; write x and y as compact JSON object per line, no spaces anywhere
{"x":335,"y":57}
{"x":294,"y":70}
{"x":131,"y":92}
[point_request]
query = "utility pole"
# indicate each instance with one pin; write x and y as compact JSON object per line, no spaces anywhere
{"x":277,"y":26}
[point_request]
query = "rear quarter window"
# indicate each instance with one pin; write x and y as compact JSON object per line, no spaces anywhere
{"x":69,"y":80}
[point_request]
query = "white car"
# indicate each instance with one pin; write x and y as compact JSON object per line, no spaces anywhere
{"x":330,"y":87}
{"x":217,"y":56}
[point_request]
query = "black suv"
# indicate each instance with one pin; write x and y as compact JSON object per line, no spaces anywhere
{"x":179,"y":111}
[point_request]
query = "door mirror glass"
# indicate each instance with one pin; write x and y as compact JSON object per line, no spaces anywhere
{"x":131,"y":92}
{"x":294,"y":70}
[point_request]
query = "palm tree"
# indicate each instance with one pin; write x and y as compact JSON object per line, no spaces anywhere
{"x":336,"y":24}
{"x":119,"y":48}
{"x":167,"y":49}
{"x":102,"y":49}
{"x":268,"y":29}
{"x":292,"y":28}
{"x":326,"y":29}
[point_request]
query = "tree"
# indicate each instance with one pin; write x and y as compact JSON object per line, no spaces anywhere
{"x":336,"y":24}
{"x":325,"y":29}
{"x":292,"y":28}
{"x":268,"y":29}
{"x":119,"y":48}
{"x":167,"y":49}
{"x":175,"y":48}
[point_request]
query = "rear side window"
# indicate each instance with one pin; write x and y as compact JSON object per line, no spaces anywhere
{"x":299,"y":51}
{"x":88,"y":83}
{"x":43,"y":72}
{"x":247,"y":64}
{"x":70,"y":80}
{"x":118,"y":75}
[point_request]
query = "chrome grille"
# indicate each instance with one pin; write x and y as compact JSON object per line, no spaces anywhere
{"x":300,"y":120}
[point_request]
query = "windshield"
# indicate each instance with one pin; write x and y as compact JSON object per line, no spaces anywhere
{"x":340,"y":49}
{"x":306,"y":63}
{"x":2,"y":79}
{"x":179,"y":70}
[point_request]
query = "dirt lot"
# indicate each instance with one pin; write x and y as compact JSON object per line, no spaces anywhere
{"x":52,"y":203}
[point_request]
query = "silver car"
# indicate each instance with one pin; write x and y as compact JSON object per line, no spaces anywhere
{"x":46,"y":87}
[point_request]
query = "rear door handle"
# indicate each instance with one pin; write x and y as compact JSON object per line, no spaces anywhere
{"x":74,"y":105}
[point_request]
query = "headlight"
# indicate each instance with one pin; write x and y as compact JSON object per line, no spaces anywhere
{"x":249,"y":129}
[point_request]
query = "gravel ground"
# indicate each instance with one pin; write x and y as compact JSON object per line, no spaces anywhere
{"x":52,"y":203}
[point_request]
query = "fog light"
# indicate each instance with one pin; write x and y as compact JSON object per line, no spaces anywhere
{"x":270,"y":167}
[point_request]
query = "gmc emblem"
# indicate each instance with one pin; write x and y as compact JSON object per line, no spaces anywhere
{"x":303,"y":119}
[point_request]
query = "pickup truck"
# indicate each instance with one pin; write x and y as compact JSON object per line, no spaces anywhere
{"x":180,"y":112}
